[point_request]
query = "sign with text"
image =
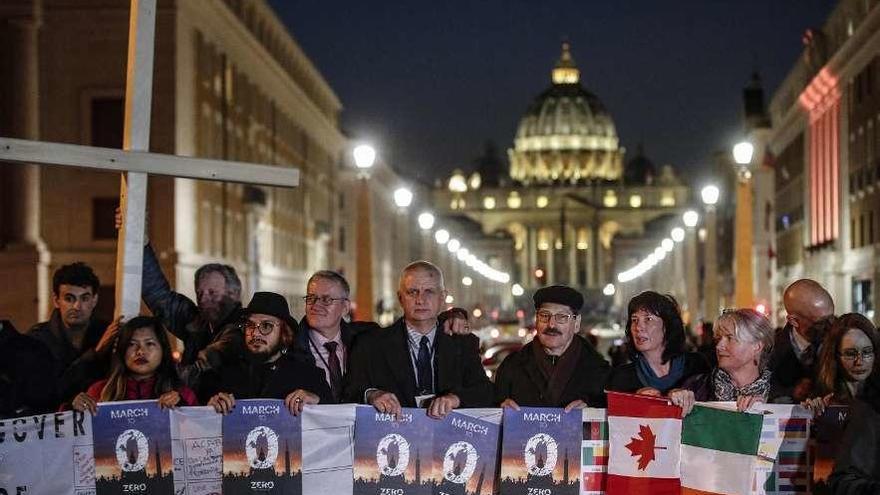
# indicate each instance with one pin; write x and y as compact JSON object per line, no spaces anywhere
{"x":465,"y":455}
{"x":540,"y":451}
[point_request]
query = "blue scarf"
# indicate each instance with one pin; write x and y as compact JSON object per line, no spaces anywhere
{"x":663,"y":384}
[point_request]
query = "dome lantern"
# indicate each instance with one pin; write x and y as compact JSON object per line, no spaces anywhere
{"x":566,"y":71}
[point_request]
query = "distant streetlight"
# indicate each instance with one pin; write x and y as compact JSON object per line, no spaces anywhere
{"x":742,"y":153}
{"x":690,"y":218}
{"x":403,"y":197}
{"x":458,"y":182}
{"x":467,"y":281}
{"x":454,"y":245}
{"x":710,"y":195}
{"x":677,"y":234}
{"x":441,"y":236}
{"x":426,"y":221}
{"x":517,"y":290}
{"x":609,"y":290}
{"x":667,"y":245}
{"x":364,"y":156}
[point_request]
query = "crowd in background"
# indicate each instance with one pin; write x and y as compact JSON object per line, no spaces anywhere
{"x":429,"y":358}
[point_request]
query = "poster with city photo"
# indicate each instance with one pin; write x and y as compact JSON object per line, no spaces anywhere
{"x":132,"y":448}
{"x":262,"y":449}
{"x":465,"y":455}
{"x":393,"y":454}
{"x":540,"y":451}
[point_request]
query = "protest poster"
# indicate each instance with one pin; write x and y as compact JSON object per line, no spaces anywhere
{"x":540,"y":450}
{"x":47,"y":453}
{"x":828,"y":434}
{"x":197,"y":447}
{"x":784,"y":465}
{"x":132,"y":442}
{"x":261,"y":449}
{"x":393,"y":454}
{"x":465,"y":455}
{"x":594,"y":451}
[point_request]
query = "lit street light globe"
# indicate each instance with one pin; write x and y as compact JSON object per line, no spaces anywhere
{"x":667,"y":245}
{"x":426,"y":221}
{"x":609,"y":290}
{"x":677,"y":234}
{"x":710,"y":195}
{"x":742,"y":153}
{"x":364,"y":156}
{"x":441,"y":236}
{"x":403,"y":197}
{"x":517,"y":290}
{"x":690,"y":218}
{"x":453,"y":245}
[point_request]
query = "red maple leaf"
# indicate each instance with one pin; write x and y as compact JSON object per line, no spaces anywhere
{"x":643,"y":446}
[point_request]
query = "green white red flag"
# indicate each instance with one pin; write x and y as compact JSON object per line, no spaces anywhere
{"x":644,"y":435}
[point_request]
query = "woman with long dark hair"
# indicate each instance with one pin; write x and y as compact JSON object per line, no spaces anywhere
{"x":655,"y":337}
{"x":142,"y":369}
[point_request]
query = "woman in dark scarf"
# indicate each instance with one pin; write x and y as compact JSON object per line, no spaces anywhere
{"x":743,"y":342}
{"x":655,"y":337}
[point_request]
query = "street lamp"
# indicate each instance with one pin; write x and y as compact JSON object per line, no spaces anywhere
{"x":743,"y":295}
{"x":426,"y":220}
{"x":441,"y":236}
{"x":691,"y":282}
{"x":709,"y":195}
{"x":364,"y":157}
{"x":677,"y":234}
{"x":517,"y":290}
{"x":742,"y":153}
{"x":454,"y":245}
{"x":690,"y":218}
{"x":403,"y":197}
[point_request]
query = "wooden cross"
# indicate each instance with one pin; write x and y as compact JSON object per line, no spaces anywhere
{"x":136,"y":162}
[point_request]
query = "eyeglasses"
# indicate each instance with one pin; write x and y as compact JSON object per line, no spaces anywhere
{"x":323,"y":300}
{"x":265,"y":327}
{"x":853,"y":354}
{"x":560,"y":318}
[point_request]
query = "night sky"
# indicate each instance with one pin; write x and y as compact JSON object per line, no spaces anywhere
{"x":429,"y":82}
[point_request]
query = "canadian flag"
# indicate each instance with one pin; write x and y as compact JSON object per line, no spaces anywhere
{"x":644,"y":437}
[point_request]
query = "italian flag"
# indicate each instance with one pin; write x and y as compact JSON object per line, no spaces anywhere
{"x":644,"y":437}
{"x":718,"y":451}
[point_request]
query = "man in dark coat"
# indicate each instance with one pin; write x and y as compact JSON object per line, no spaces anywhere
{"x":27,"y":375}
{"x":558,"y":368}
{"x":270,"y":368}
{"x":80,"y":344}
{"x":414,"y":363}
{"x":210,"y":329}
{"x":796,"y":346}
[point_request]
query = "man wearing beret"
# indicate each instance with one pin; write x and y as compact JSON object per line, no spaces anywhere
{"x":558,"y":368}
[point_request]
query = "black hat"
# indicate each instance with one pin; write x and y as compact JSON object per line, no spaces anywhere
{"x":272,"y":304}
{"x":560,"y":294}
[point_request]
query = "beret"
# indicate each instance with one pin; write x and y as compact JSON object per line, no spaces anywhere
{"x":559,"y":294}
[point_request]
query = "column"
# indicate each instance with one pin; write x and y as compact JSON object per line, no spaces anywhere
{"x":594,"y":255}
{"x":692,"y":267}
{"x":523,"y":260}
{"x":364,"y":253}
{"x":710,"y":287}
{"x":551,"y":254}
{"x":743,"y":241}
{"x":571,"y":247}
{"x":533,"y":257}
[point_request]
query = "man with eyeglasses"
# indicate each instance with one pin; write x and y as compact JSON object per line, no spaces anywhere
{"x":558,"y":368}
{"x":796,"y":347}
{"x":269,"y":369}
{"x":414,"y":363}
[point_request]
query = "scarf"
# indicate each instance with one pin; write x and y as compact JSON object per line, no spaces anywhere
{"x":726,"y":390}
{"x":557,"y":370}
{"x":662,"y":383}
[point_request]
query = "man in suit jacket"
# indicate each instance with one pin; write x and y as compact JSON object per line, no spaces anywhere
{"x":414,"y":359}
{"x":558,"y":368}
{"x":796,"y":347}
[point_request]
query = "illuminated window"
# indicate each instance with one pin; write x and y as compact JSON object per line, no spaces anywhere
{"x":582,"y":239}
{"x":514,"y":201}
{"x":544,"y":239}
{"x":610,"y":199}
{"x":635,"y":201}
{"x":542,"y":202}
{"x":667,"y":199}
{"x":489,"y":202}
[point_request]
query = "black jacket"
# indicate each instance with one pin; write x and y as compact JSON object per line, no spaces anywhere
{"x":181,"y":316}
{"x":75,"y":370}
{"x":381,"y":360}
{"x":787,"y":370}
{"x":276,"y":380}
{"x":857,"y":468}
{"x":520,"y":379}
{"x":27,"y":375}
{"x":625,"y":378}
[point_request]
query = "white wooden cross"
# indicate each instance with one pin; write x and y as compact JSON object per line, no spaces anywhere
{"x":135,"y":161}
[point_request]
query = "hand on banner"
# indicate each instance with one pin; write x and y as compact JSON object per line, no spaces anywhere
{"x":222,"y":403}
{"x":457,"y":323}
{"x":169,"y":400}
{"x":118,"y":221}
{"x":744,"y":402}
{"x":683,"y":399}
{"x":817,"y":405}
{"x":653,"y":392}
{"x":82,"y":403}
{"x":297,"y":399}
{"x":384,"y":402}
{"x":443,"y":405}
{"x":510,"y":404}
{"x":575,"y":404}
{"x":109,"y":338}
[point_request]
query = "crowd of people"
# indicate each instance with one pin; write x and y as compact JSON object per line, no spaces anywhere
{"x":429,"y":358}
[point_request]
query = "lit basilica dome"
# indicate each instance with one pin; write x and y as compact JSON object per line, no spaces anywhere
{"x":566,"y":134}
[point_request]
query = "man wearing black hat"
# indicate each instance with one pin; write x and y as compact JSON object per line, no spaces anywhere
{"x":268,"y":369}
{"x":558,"y":368}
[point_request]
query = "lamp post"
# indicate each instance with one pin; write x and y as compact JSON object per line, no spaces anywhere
{"x":709,"y":195}
{"x":743,"y":236}
{"x":364,"y":157}
{"x":690,"y":219}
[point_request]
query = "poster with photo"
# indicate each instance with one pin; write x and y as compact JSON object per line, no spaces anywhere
{"x":540,"y":450}
{"x":393,"y":454}
{"x":132,"y":442}
{"x":197,"y":446}
{"x":262,"y":450}
{"x":465,"y":455}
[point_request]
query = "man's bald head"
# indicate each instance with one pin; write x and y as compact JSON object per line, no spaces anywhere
{"x":806,"y":302}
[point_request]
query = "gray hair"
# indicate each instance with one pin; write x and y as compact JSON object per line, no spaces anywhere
{"x":425,"y":266}
{"x":332,"y":277}
{"x":751,"y":326}
{"x":233,"y":283}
